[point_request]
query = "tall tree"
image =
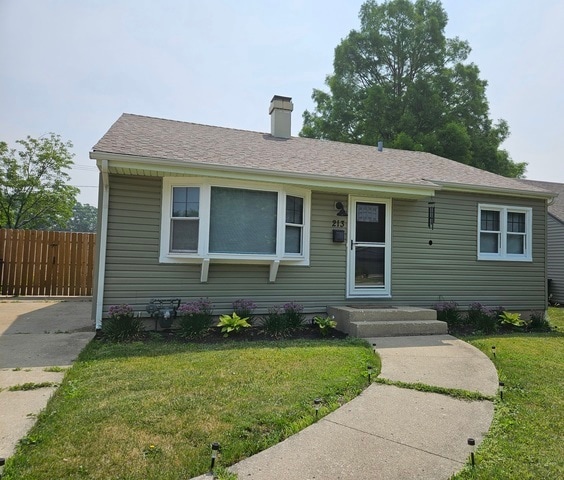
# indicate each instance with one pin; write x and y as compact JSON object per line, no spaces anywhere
{"x":34,"y":190}
{"x":84,"y":219}
{"x":400,"y":80}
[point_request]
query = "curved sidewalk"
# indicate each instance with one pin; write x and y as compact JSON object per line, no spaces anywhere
{"x":389,"y":432}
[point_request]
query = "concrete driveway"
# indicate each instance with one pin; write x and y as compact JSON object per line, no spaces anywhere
{"x":36,"y":334}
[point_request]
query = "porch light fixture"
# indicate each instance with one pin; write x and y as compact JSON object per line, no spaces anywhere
{"x":431,"y":215}
{"x":472,"y":444}
{"x":342,"y":212}
{"x":215,"y":452}
{"x":316,"y":405}
{"x":501,"y":387}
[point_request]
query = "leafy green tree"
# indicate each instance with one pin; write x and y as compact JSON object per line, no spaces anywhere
{"x":84,"y":218}
{"x":400,"y":80}
{"x":34,"y":190}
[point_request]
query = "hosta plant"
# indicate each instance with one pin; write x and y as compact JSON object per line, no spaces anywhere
{"x":232,"y":324}
{"x":325,"y":324}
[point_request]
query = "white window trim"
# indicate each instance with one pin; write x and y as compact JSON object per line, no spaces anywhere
{"x":502,"y":255}
{"x":202,"y":255}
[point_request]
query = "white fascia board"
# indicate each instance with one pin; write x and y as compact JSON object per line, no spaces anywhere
{"x":459,"y":187}
{"x":312,"y":181}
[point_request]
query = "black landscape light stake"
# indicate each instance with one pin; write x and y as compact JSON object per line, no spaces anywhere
{"x":316,"y":405}
{"x":215,"y":452}
{"x":493,"y":351}
{"x":501,"y":386}
{"x":472,"y":444}
{"x":369,"y":368}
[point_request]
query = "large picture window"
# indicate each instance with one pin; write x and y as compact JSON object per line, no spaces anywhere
{"x":233,"y":221}
{"x":242,"y":221}
{"x":504,"y":233}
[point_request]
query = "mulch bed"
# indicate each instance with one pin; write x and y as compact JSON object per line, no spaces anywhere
{"x":252,"y":334}
{"x":214,"y":335}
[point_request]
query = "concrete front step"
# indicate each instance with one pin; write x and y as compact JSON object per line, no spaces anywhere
{"x":396,"y":328}
{"x":371,"y":321}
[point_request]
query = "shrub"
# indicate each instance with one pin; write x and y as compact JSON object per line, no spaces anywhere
{"x":325,"y":324}
{"x":538,"y":322}
{"x":483,"y":318}
{"x":274,"y":323}
{"x":232,"y":323}
{"x":244,"y":308}
{"x":293,"y":313}
{"x":448,"y":312}
{"x":282,"y":321}
{"x":195,"y":318}
{"x":122,"y":324}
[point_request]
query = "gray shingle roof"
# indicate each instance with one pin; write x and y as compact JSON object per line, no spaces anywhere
{"x":170,"y":140}
{"x":557,"y":207}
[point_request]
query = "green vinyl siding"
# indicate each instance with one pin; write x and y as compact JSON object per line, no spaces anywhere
{"x":134,"y":274}
{"x":555,"y":256}
{"x":422,"y":274}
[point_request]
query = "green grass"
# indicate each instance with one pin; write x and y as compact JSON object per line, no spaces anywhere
{"x":526,"y":440}
{"x":421,"y":387}
{"x":151,"y":410}
{"x":31,"y":386}
{"x":54,"y":369}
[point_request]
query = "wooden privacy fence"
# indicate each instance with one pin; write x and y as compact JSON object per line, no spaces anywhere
{"x":39,"y":262}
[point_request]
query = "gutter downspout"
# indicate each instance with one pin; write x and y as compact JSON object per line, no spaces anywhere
{"x":103,"y":235}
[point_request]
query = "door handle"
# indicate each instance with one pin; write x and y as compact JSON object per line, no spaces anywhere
{"x":352,"y":243}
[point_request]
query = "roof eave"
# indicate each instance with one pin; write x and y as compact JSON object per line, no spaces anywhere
{"x":177,"y":167}
{"x":459,"y":187}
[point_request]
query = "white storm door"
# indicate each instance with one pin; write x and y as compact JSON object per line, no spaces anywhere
{"x":369,"y":259}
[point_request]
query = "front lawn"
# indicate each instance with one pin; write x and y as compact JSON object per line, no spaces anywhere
{"x":151,"y":410}
{"x":526,"y":440}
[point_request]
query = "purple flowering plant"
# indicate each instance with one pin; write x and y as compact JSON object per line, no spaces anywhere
{"x":197,"y":307}
{"x":120,"y":311}
{"x":122,"y":324}
{"x":485,"y":319}
{"x":244,"y":308}
{"x":293,"y":313}
{"x":292,"y":307}
{"x":448,"y":312}
{"x":195,"y":318}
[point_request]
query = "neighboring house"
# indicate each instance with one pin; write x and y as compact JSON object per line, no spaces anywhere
{"x":191,"y":211}
{"x":555,"y":250}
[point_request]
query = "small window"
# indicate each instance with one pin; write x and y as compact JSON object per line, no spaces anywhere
{"x":185,"y":221}
{"x":505,"y":233}
{"x":294,"y":224}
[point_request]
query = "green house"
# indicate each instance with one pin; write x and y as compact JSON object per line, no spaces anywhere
{"x":190,"y":211}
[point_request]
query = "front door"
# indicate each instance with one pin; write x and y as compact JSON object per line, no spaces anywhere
{"x":369,"y":248}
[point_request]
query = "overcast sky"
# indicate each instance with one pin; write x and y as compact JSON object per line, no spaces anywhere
{"x":72,"y":67}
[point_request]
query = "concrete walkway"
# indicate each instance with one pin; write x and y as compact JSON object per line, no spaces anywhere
{"x":385,"y":433}
{"x":35,"y":335}
{"x":389,"y":432}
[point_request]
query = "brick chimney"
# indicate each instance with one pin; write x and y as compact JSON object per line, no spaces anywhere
{"x":281,"y":116}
